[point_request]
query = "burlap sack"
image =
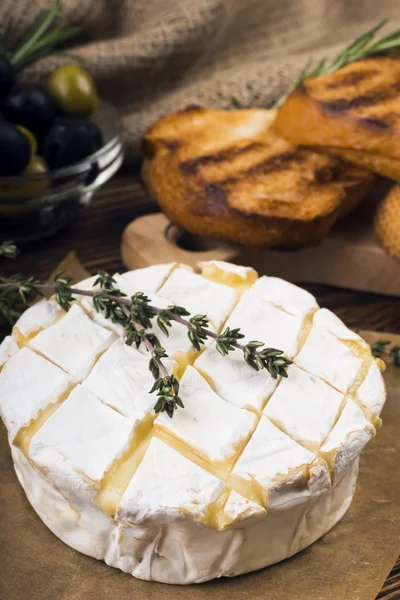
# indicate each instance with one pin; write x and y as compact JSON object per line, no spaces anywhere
{"x":150,"y":57}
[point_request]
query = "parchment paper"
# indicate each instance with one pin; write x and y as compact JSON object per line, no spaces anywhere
{"x":350,"y":563}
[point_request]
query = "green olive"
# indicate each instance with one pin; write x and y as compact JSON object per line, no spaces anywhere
{"x":21,"y":189}
{"x":31,"y":139}
{"x":73,"y":90}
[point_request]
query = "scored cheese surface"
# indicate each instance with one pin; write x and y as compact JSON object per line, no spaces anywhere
{"x":249,"y":472}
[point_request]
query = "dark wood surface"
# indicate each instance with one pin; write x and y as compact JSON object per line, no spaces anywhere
{"x":96,"y":239}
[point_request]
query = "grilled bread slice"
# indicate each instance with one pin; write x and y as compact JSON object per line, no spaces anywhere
{"x":229,"y":175}
{"x":354,"y":112}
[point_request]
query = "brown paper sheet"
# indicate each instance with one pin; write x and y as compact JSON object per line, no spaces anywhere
{"x":351,"y":562}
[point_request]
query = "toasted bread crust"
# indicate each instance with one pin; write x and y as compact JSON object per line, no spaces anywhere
{"x":387,"y":222}
{"x":228,"y":175}
{"x":357,"y":108}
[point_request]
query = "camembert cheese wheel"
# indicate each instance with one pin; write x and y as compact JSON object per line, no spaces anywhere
{"x":251,"y":470}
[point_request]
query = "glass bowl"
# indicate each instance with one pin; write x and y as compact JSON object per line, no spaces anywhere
{"x":33,"y":207}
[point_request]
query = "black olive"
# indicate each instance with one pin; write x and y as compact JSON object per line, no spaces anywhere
{"x":30,"y":105}
{"x":7,"y":76}
{"x":70,"y":141}
{"x":15,"y":150}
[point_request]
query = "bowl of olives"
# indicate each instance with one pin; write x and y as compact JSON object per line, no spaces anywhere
{"x":58,"y":144}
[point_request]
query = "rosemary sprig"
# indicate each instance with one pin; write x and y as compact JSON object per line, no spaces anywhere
{"x":362,"y":47}
{"x":8,"y":250}
{"x":136,"y":314}
{"x":381,"y":349}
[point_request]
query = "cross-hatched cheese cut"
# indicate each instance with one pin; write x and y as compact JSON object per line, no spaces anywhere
{"x":234,"y":379}
{"x":36,"y":318}
{"x":285,"y":295}
{"x":121,"y":379}
{"x":29,"y":384}
{"x":329,"y":358}
{"x":200,"y":295}
{"x":147,"y":280}
{"x":73,"y":343}
{"x":305,"y":407}
{"x":277,"y":469}
{"x":211,"y":427}
{"x":250,"y":471}
{"x":79,"y":443}
{"x":167,"y":485}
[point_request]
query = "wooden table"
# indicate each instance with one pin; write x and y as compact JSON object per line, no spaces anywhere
{"x":96,"y":239}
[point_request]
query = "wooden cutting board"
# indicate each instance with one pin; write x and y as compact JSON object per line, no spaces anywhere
{"x":348,"y":257}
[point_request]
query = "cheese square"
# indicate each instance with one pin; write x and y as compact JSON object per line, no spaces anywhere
{"x":231,"y":377}
{"x":8,"y":348}
{"x":73,"y":343}
{"x":287,"y":296}
{"x":77,"y":445}
{"x":279,"y":470}
{"x":238,"y":508}
{"x":121,"y":379}
{"x":372,"y":391}
{"x":347,"y":439}
{"x":167,"y":485}
{"x":330,"y":322}
{"x":199,"y":295}
{"x":208,"y":425}
{"x":305,"y":407}
{"x":29,"y":384}
{"x":328,"y":358}
{"x":236,"y":276}
{"x":37,"y":317}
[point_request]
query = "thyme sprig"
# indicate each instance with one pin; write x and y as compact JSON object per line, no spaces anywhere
{"x":136,"y":315}
{"x":383,"y":349}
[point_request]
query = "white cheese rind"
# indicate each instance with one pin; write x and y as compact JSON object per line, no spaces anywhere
{"x":328,"y":358}
{"x":8,"y":348}
{"x":122,"y":380}
{"x":199,"y":295}
{"x":208,"y":424}
{"x":282,"y":468}
{"x":77,"y":445}
{"x":73,"y":343}
{"x":305,"y":407}
{"x":372,"y":391}
{"x":168,"y":486}
{"x":347,"y":439}
{"x":28,"y":384}
{"x":285,"y":295}
{"x":37,"y":317}
{"x":192,"y":553}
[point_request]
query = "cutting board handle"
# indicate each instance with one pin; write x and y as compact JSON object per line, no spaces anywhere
{"x":152,"y":239}
{"x":348,"y":257}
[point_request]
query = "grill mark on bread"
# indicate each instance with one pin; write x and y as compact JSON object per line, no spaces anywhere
{"x":375,"y":96}
{"x":348,"y":79}
{"x":191,"y":166}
